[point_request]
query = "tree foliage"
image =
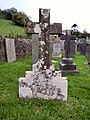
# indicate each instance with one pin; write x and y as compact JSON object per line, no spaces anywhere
{"x":19,"y":18}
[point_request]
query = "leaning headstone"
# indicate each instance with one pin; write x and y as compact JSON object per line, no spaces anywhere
{"x":43,"y":81}
{"x":67,"y":65}
{"x":10,"y":50}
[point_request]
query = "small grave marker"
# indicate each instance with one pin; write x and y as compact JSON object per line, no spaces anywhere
{"x":10,"y":50}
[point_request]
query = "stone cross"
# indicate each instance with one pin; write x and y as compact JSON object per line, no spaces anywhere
{"x":67,"y":65}
{"x":68,"y":43}
{"x":43,"y":81}
{"x":44,"y":37}
{"x":42,"y":34}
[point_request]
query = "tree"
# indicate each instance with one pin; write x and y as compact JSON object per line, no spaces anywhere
{"x":20,"y":18}
{"x":9,"y":13}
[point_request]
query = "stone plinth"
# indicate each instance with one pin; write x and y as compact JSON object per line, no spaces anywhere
{"x":43,"y":84}
{"x":67,"y":66}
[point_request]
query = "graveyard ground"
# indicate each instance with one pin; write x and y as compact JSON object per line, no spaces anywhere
{"x":77,"y":107}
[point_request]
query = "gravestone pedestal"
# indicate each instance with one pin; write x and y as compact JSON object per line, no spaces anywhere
{"x":67,"y":66}
{"x":43,"y":84}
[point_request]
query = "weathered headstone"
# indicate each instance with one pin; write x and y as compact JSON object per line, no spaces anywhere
{"x":57,"y":53}
{"x":82,"y":46}
{"x":10,"y":50}
{"x":67,"y":65}
{"x":43,"y":81}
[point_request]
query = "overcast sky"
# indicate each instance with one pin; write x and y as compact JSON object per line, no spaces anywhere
{"x":67,"y":12}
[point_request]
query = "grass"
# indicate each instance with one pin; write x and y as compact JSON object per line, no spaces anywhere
{"x":77,"y":107}
{"x":8,"y":27}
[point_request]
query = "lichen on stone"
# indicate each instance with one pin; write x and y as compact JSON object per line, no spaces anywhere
{"x":45,"y":12}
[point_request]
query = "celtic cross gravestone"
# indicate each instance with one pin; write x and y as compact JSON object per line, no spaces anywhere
{"x":43,"y":81}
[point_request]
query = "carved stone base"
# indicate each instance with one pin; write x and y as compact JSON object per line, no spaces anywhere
{"x":67,"y":66}
{"x":43,"y":84}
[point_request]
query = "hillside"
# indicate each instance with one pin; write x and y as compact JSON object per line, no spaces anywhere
{"x":8,"y":27}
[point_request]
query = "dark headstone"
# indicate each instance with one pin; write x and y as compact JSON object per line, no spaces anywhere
{"x":81,"y":47}
{"x":88,"y":50}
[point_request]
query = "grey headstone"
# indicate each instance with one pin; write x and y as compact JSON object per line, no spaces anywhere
{"x":35,"y":48}
{"x":81,"y":47}
{"x":10,"y":50}
{"x":57,"y":50}
{"x":88,"y":50}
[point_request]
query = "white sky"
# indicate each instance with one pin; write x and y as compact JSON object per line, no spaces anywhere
{"x":66,"y":12}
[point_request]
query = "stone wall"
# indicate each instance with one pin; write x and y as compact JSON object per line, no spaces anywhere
{"x":23,"y":48}
{"x":2,"y":49}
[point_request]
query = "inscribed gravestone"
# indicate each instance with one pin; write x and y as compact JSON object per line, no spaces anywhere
{"x":57,"y":49}
{"x":10,"y":50}
{"x":43,"y":81}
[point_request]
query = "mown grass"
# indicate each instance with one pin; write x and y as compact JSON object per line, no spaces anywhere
{"x":8,"y":27}
{"x":77,"y":107}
